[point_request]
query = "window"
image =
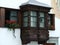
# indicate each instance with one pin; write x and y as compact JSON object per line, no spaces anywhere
{"x":33,"y":19}
{"x":30,"y":18}
{"x":13,"y":15}
{"x":41,"y":19}
{"x":51,"y":22}
{"x":58,"y":3}
{"x":25,"y":19}
{"x":37,"y":19}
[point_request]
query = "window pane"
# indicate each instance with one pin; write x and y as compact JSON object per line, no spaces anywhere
{"x":25,"y":24}
{"x":41,"y":19}
{"x":41,"y":24}
{"x":34,"y":19}
{"x":25,"y":19}
{"x":41,"y":14}
{"x":58,"y":4}
{"x":13,"y":18}
{"x":13,"y":15}
{"x":33,"y":13}
{"x":33,"y":24}
{"x":25,"y":13}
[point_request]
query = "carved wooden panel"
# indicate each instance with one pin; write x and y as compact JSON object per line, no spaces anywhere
{"x":33,"y":7}
{"x":34,"y":35}
{"x":25,"y":36}
{"x":43,"y":36}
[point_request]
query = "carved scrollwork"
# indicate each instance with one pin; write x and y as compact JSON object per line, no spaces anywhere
{"x":34,"y":35}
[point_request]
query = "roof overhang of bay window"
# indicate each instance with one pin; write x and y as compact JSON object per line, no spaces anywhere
{"x":35,"y":5}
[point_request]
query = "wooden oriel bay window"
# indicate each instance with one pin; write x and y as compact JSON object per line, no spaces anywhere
{"x":34,"y":21}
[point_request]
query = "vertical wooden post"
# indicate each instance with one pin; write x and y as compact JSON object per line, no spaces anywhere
{"x":2,"y":17}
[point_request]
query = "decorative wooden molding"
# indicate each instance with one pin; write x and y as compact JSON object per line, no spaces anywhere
{"x":33,"y":7}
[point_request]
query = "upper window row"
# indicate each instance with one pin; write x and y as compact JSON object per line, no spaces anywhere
{"x":38,"y":19}
{"x":32,"y":18}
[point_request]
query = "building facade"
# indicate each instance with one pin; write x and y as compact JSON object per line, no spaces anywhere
{"x":36,"y":25}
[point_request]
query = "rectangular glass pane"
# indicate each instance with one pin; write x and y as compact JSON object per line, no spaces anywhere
{"x":58,"y":3}
{"x":13,"y":18}
{"x":34,"y":19}
{"x":25,"y":24}
{"x":33,"y":13}
{"x":13,"y":13}
{"x":41,"y":14}
{"x":25,"y":19}
{"x":41,"y":24}
{"x":33,"y":24}
{"x":41,"y":19}
{"x":25,"y":13}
